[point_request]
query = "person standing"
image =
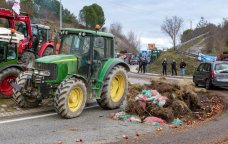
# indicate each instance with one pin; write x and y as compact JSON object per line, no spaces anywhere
{"x":174,"y":68}
{"x":144,"y":65}
{"x":140,"y":64}
{"x":164,"y":67}
{"x":182,"y":67}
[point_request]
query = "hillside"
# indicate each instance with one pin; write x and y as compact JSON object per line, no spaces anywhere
{"x":171,"y":55}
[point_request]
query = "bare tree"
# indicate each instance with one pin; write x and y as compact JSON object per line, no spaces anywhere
{"x":129,"y":42}
{"x":171,"y":26}
{"x":133,"y":42}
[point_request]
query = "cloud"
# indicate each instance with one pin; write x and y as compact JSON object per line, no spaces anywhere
{"x":145,"y":17}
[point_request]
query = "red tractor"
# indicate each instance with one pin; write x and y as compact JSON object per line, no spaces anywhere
{"x":43,"y":42}
{"x":36,"y":40}
{"x":29,"y":46}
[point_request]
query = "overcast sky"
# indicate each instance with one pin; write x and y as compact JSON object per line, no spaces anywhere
{"x":145,"y":17}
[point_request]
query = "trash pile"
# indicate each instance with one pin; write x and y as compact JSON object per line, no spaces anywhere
{"x":162,"y":99}
{"x":163,"y":102}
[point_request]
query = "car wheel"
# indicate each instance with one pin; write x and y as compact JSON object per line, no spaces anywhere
{"x":196,"y":84}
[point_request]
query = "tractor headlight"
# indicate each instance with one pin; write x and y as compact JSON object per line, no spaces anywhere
{"x":36,"y":72}
{"x":44,"y":73}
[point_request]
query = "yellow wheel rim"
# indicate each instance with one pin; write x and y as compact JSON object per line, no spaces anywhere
{"x":75,"y":99}
{"x":117,"y":88}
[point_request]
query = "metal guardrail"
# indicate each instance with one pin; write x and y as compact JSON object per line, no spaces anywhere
{"x":188,"y":54}
{"x":191,"y":40}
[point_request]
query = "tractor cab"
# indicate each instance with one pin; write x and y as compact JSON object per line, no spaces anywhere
{"x":42,"y":42}
{"x":8,"y":46}
{"x":41,"y":31}
{"x":92,"y":49}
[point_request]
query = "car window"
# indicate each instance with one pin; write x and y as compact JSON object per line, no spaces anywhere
{"x":221,"y":68}
{"x":200,"y":68}
{"x":207,"y":67}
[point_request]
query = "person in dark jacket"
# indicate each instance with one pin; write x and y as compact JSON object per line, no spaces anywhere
{"x":174,"y":68}
{"x":182,"y":67}
{"x":164,"y":66}
{"x":144,"y":64}
{"x":140,"y":64}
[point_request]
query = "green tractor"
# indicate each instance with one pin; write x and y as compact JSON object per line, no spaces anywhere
{"x":84,"y":69}
{"x":9,"y":68}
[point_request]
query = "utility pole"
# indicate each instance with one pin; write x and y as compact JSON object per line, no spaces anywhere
{"x":60,"y":27}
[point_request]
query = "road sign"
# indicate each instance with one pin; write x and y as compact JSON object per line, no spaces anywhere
{"x":151,"y":46}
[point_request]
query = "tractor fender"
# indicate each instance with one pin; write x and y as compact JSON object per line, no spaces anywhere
{"x":22,"y":68}
{"x":106,"y":69}
{"x":84,"y":80}
{"x":80,"y":77}
{"x":44,"y":46}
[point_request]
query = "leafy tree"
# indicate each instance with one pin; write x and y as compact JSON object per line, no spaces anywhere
{"x":51,"y":8}
{"x":3,"y":4}
{"x":92,"y":15}
{"x":187,"y":35}
{"x":171,"y":26}
{"x":202,"y":23}
{"x":28,"y":7}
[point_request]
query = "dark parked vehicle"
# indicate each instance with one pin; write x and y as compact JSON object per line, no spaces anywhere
{"x":134,"y":61}
{"x":211,"y":74}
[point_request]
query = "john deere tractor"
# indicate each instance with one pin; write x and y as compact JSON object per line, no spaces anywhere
{"x":85,"y":68}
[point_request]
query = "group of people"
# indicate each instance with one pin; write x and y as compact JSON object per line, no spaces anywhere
{"x":174,"y":67}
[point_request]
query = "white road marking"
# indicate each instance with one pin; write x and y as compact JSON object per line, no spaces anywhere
{"x":34,"y":117}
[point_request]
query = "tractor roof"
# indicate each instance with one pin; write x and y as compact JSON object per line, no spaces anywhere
{"x":5,"y":35}
{"x":6,"y":13}
{"x":74,"y":30}
{"x":41,"y":26}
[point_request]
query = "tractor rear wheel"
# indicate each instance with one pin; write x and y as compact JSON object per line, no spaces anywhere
{"x":6,"y":90}
{"x":48,"y":51}
{"x":28,"y":58}
{"x":70,"y":98}
{"x":20,"y":99}
{"x":115,"y":88}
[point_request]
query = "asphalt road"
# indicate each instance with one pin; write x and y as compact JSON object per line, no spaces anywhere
{"x":95,"y":126}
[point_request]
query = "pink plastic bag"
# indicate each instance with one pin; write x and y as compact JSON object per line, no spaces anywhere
{"x":151,"y":120}
{"x":154,"y":92}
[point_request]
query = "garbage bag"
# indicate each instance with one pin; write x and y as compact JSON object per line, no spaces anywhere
{"x":152,"y":119}
{"x":177,"y":122}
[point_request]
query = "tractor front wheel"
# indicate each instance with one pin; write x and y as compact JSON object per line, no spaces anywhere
{"x":22,"y":100}
{"x":48,"y":51}
{"x":115,"y":89}
{"x":6,"y":90}
{"x":70,"y":98}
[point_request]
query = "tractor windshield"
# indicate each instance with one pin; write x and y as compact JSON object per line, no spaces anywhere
{"x":7,"y":51}
{"x":73,"y":44}
{"x":3,"y":46}
{"x":4,"y":23}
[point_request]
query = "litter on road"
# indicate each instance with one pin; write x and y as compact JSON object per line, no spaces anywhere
{"x":163,"y":102}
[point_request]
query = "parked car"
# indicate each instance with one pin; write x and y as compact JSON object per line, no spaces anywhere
{"x":134,"y":61}
{"x":211,"y":74}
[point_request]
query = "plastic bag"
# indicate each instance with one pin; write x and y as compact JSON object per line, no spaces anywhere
{"x":177,"y":122}
{"x":152,"y":119}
